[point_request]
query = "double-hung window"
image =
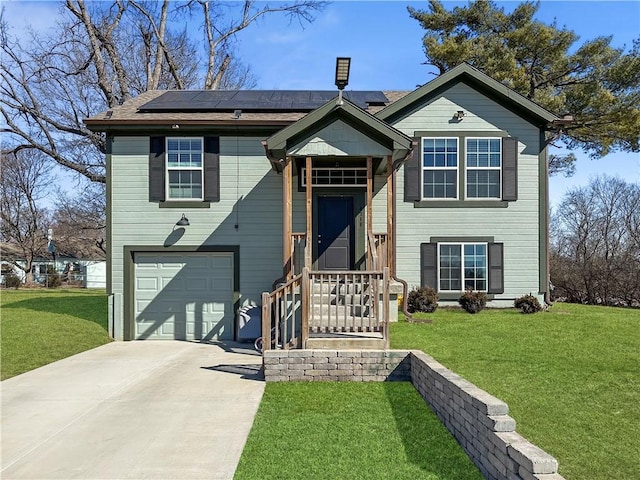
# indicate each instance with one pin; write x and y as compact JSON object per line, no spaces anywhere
{"x":184,"y":168}
{"x":483,"y":168}
{"x":462,"y":266}
{"x":439,"y":168}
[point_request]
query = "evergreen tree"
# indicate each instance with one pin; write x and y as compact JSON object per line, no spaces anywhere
{"x":596,"y":83}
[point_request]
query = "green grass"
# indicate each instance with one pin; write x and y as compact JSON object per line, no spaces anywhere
{"x":41,"y":326}
{"x":571,"y":377}
{"x":350,"y":431}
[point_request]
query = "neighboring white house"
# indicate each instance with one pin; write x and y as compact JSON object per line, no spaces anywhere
{"x":95,"y":275}
{"x":81,"y":272}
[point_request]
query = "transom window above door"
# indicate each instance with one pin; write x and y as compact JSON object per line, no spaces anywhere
{"x":335,"y":176}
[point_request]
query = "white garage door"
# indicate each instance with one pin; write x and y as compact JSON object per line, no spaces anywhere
{"x":184,"y":296}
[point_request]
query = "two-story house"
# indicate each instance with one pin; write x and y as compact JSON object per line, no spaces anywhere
{"x":216,"y":197}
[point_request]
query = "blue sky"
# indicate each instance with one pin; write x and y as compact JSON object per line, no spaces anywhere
{"x":386,"y":49}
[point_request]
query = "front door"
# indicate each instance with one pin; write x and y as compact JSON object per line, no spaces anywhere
{"x":335,"y":234}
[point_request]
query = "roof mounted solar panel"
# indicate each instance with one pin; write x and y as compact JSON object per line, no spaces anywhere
{"x":255,"y":100}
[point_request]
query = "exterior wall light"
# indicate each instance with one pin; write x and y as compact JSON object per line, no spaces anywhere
{"x":183,"y":222}
{"x":459,"y":115}
{"x":343,"y":65}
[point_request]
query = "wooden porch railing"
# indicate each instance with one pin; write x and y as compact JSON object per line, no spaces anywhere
{"x":376,"y":252}
{"x":298,"y":244}
{"x":345,"y":301}
{"x":326,"y":302}
{"x":380,"y":245}
{"x":282,"y":313}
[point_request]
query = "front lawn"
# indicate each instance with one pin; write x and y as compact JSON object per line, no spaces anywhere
{"x":350,"y":431}
{"x":41,"y":326}
{"x":571,"y":377}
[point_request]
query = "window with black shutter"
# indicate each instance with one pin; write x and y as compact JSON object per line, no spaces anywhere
{"x":457,"y":266}
{"x":184,"y":168}
{"x":433,"y":171}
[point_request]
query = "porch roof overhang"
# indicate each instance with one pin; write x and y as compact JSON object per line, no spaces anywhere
{"x":287,"y":141}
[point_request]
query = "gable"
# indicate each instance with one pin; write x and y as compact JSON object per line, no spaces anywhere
{"x":318,"y":132}
{"x":481,"y":113}
{"x":339,"y":139}
{"x":482,"y":83}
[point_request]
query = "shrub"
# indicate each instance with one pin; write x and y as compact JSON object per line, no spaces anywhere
{"x":472,"y":301}
{"x":52,"y":278}
{"x":423,"y":299}
{"x":528,"y":304}
{"x":11,"y":280}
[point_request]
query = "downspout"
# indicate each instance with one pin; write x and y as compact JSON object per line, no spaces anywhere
{"x":547,"y":293}
{"x":405,"y":287}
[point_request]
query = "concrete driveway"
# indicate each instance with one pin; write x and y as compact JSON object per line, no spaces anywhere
{"x":136,"y":410}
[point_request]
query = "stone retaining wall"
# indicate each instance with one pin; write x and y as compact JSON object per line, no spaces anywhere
{"x":336,"y":365}
{"x":481,"y":424}
{"x":479,"y":421}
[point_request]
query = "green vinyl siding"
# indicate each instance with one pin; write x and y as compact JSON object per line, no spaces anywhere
{"x":516,"y":225}
{"x":248,"y":215}
{"x":339,"y":138}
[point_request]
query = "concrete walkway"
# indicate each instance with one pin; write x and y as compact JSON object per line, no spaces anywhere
{"x":135,"y":410}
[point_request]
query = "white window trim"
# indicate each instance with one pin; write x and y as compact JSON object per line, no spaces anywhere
{"x":462,"y":277}
{"x":467,"y":168}
{"x":423,"y":168}
{"x":169,"y":169}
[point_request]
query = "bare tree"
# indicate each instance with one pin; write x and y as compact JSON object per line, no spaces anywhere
{"x":104,"y":53}
{"x":79,"y":222}
{"x":25,"y":182}
{"x":595,"y":254}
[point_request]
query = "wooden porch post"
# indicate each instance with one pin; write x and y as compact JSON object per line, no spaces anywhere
{"x":287,"y":263}
{"x":308,"y":249}
{"x":369,"y":208}
{"x":390,"y":219}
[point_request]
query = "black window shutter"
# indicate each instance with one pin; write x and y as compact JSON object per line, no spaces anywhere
{"x":510,"y":169}
{"x":412,"y":173}
{"x":496,"y":268}
{"x":429,"y":265}
{"x":156,"y":169}
{"x":212,"y":169}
